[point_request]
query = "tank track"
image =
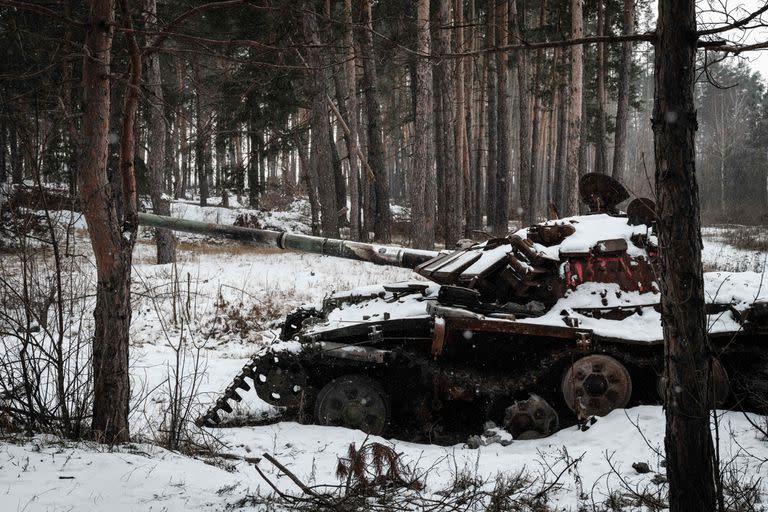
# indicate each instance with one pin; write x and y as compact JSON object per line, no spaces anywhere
{"x":277,"y":377}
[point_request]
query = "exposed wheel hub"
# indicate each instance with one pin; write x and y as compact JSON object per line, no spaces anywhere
{"x":595,"y":385}
{"x":353,"y":401}
{"x":279,"y":379}
{"x":531,"y":419}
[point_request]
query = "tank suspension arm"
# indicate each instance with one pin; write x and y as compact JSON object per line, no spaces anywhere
{"x":378,"y":254}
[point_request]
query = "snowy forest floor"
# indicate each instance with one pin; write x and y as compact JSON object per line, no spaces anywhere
{"x":196,"y":323}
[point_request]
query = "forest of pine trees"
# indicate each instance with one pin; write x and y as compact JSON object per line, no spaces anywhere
{"x":359,"y":104}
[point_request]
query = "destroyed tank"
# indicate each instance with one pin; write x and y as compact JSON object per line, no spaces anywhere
{"x":553,"y":325}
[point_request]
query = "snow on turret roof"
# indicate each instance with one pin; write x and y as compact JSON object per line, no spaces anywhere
{"x":590,"y":230}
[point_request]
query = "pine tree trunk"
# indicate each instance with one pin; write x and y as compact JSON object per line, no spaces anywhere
{"x":480,"y":143}
{"x":350,"y":90}
{"x":181,"y":120}
{"x":422,"y":184}
{"x":450,"y":184}
{"x":492,"y":83}
{"x":320,"y":157}
{"x":501,"y":217}
{"x":112,"y":236}
{"x":526,"y":132}
{"x":462,"y":194}
{"x":601,"y":151}
{"x":382,"y":218}
{"x":530,"y":214}
{"x":202,"y":136}
{"x":161,"y":205}
{"x":571,"y":199}
{"x":622,"y":108}
{"x":688,"y":441}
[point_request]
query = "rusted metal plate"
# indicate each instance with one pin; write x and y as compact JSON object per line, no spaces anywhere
{"x":641,"y":211}
{"x":511,"y":327}
{"x":601,"y":192}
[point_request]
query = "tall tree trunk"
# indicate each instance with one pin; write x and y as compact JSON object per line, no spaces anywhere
{"x":17,"y":170}
{"x":571,"y":200}
{"x":462,"y":194}
{"x":254,"y":156}
{"x":622,"y":108}
{"x":481,"y":140}
{"x":350,"y":90}
{"x":601,"y":151}
{"x":112,"y":237}
{"x":422,"y":186}
{"x":307,"y":174}
{"x":382,"y":217}
{"x":560,"y":171}
{"x":450,"y":184}
{"x":501,"y":218}
{"x":181,"y":120}
{"x":534,"y":187}
{"x":340,"y":184}
{"x":320,"y":157}
{"x":526,"y":132}
{"x":202,"y":135}
{"x":3,"y":160}
{"x":161,"y":205}
{"x":688,"y":441}
{"x":492,"y":82}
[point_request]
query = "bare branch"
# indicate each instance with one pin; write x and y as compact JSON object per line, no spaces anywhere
{"x":39,"y":9}
{"x":736,"y":24}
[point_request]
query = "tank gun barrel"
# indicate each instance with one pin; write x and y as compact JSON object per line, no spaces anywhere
{"x":374,"y":253}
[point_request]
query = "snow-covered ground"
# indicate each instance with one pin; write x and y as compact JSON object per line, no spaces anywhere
{"x":215,"y":308}
{"x":585,"y":469}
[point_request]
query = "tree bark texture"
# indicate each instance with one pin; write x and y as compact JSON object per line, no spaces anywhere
{"x":527,"y":190}
{"x":112,"y":237}
{"x":161,"y":205}
{"x":571,"y":203}
{"x":492,"y":83}
{"x":202,"y":136}
{"x":622,"y":107}
{"x":561,"y":156}
{"x":382,"y":217}
{"x":463,"y":191}
{"x":688,"y":442}
{"x":320,"y":157}
{"x":501,"y":217}
{"x":350,"y":83}
{"x":601,"y":151}
{"x":422,"y":185}
{"x":450,"y":193}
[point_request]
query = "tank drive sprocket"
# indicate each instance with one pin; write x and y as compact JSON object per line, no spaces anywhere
{"x":277,"y":377}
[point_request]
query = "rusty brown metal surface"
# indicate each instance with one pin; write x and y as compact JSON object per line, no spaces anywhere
{"x":511,"y":327}
{"x":595,"y":385}
{"x":601,"y":192}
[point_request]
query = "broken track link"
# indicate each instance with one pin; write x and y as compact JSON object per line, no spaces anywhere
{"x":278,"y":378}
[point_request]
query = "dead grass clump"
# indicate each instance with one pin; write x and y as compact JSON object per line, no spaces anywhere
{"x":247,"y":220}
{"x":277,"y":200}
{"x":234,"y":249}
{"x":749,"y":238}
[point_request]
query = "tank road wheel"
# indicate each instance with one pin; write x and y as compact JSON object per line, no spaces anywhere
{"x":280,"y":379}
{"x":720,"y":386}
{"x":595,"y":385}
{"x":531,"y":419}
{"x":353,"y":401}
